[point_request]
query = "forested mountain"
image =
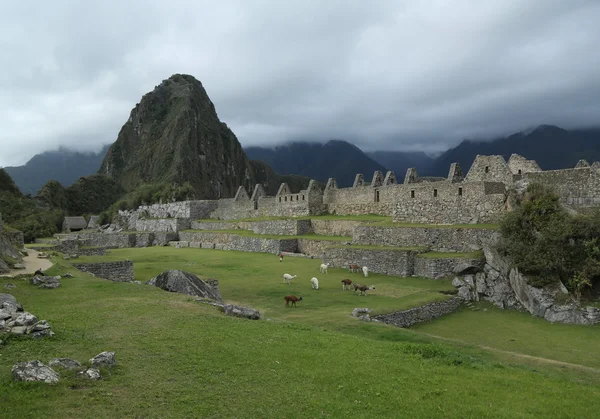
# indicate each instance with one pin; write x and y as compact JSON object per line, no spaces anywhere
{"x":62,"y":165}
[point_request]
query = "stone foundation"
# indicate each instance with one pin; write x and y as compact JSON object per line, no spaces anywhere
{"x":388,"y":262}
{"x":421,"y":314}
{"x":443,"y":239}
{"x":121,"y":271}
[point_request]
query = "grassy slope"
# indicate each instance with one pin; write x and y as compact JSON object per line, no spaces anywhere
{"x":178,"y":358}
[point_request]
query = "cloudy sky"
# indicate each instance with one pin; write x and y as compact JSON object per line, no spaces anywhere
{"x":403,"y":75}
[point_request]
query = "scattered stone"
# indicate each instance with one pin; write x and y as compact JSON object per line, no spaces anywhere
{"x":358,"y":311}
{"x":18,"y":266}
{"x":209,"y":302}
{"x":187,"y":283}
{"x":18,"y":322}
{"x":49,"y":282}
{"x":25,"y":319}
{"x":9,"y":286}
{"x":41,"y":325}
{"x":91,"y":374}
{"x":66,"y":363}
{"x":42,"y":255}
{"x":68,"y":275}
{"x":9,"y":303}
{"x":365,"y":318}
{"x":244,"y":312}
{"x":42,"y":333}
{"x":137,"y":282}
{"x":18,"y":330}
{"x":34,"y":371}
{"x":104,"y":359}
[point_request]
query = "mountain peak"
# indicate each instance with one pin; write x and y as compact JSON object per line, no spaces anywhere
{"x":174,"y":135}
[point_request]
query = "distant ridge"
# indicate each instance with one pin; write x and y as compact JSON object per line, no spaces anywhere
{"x":552,"y":147}
{"x":63,"y":165}
{"x":335,"y":158}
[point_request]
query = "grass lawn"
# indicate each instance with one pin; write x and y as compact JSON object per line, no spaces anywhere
{"x":38,"y":245}
{"x":520,"y":332}
{"x":249,"y":233}
{"x":179,"y":358}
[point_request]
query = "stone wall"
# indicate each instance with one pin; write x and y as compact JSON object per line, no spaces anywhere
{"x":388,"y":262}
{"x":444,"y":239}
{"x":162,"y":224}
{"x":421,"y":314}
{"x":519,"y":165}
{"x":228,"y":241}
{"x":91,"y":251}
{"x":222,"y":225}
{"x":121,"y":271}
{"x":285,"y":227}
{"x":162,"y":238}
{"x":194,"y":210}
{"x":108,"y":240}
{"x":334,"y":227}
{"x":314,"y":248}
{"x":576,"y":187}
{"x":442,"y":267}
{"x":489,"y":169}
{"x":450,"y":203}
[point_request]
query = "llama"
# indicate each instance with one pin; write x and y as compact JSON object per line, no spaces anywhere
{"x":346,"y":283}
{"x":287,"y":278}
{"x":363,"y":289}
{"x":366,"y":271}
{"x":291,"y":298}
{"x":353,"y":267}
{"x":315,"y":283}
{"x":323,"y":268}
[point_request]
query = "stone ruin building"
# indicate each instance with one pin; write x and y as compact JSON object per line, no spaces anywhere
{"x":480,"y":196}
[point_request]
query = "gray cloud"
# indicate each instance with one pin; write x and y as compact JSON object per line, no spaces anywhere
{"x":388,"y":75}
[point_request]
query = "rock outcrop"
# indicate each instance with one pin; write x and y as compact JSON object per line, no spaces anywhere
{"x":174,"y":135}
{"x":506,"y":287}
{"x":49,"y":282}
{"x":187,"y":283}
{"x":239,"y":311}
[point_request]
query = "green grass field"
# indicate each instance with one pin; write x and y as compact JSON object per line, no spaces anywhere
{"x":180,"y":358}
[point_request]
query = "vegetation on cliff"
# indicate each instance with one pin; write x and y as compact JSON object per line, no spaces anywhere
{"x":175,"y":136}
{"x":550,"y":244}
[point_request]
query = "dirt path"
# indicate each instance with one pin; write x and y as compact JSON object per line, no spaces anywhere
{"x":32,"y":263}
{"x":523,"y":356}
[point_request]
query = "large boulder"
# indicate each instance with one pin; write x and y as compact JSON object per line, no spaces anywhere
{"x":104,"y":359}
{"x":9,"y":303}
{"x":244,"y":312}
{"x":50,"y":282}
{"x":187,"y":283}
{"x":34,"y":371}
{"x":66,"y":363}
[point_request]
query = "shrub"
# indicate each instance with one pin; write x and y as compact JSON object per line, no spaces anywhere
{"x":548,"y":244}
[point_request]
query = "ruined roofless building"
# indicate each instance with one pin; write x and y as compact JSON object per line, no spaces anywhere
{"x":480,"y":196}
